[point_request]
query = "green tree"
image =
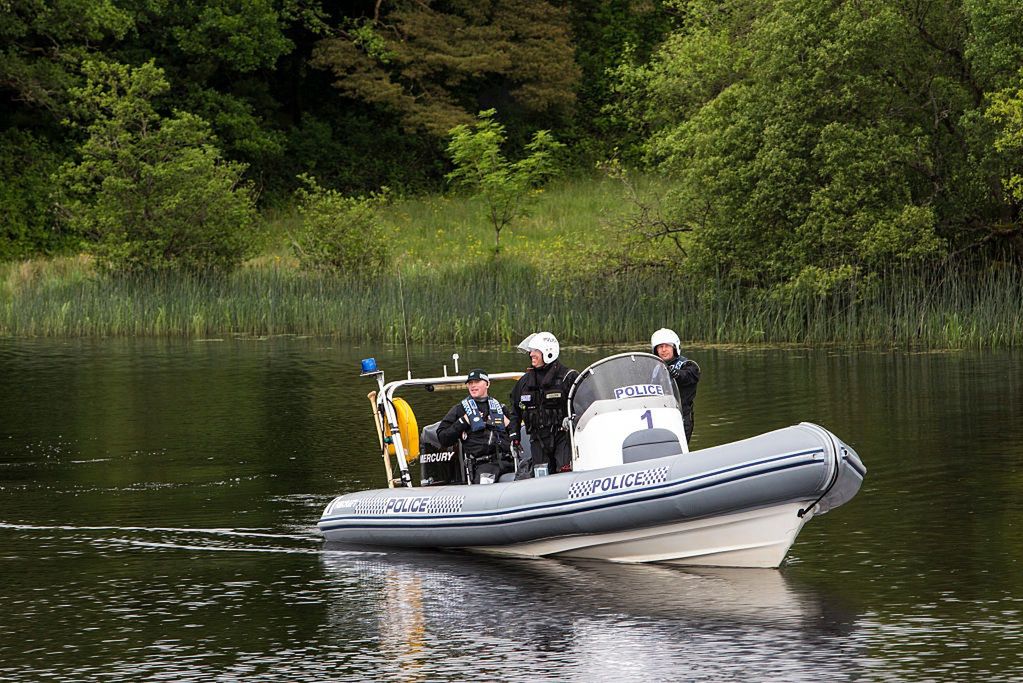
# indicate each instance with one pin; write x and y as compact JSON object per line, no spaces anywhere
{"x":338,"y":233}
{"x":224,"y":61}
{"x":814,"y":140}
{"x":151,"y":192}
{"x":505,"y":187}
{"x":996,"y":48}
{"x":43,"y":40}
{"x":435,"y":63}
{"x":1006,"y":109}
{"x":26,"y":228}
{"x":608,"y":34}
{"x":40,"y":44}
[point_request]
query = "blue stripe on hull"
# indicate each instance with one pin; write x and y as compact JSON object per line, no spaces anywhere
{"x":537,"y":512}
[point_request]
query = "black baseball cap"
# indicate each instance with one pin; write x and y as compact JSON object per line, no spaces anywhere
{"x":478,"y":373}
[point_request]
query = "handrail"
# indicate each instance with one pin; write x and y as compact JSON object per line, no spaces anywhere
{"x":391,"y":387}
{"x":385,"y":402}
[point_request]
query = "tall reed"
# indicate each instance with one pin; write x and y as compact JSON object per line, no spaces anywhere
{"x":499,"y":301}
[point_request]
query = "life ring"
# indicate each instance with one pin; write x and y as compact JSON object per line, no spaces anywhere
{"x":408,"y":428}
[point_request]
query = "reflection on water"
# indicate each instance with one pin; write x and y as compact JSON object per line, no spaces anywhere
{"x":478,"y":583}
{"x":435,"y":609}
{"x":158,"y":502}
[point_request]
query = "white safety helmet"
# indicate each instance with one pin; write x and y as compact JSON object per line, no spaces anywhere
{"x":544,"y":342}
{"x":665,"y":336}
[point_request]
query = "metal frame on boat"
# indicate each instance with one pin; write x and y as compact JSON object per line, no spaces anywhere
{"x":395,"y":422}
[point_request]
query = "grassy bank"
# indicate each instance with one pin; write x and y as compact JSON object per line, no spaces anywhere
{"x":453,"y":290}
{"x":499,"y":302}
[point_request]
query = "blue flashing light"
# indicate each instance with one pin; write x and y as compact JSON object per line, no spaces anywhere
{"x":369,"y":365}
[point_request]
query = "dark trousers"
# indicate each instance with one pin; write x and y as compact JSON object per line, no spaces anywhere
{"x":492,"y":464}
{"x":553,"y":450}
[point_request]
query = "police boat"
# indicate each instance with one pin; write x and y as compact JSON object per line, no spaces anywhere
{"x":635,"y":494}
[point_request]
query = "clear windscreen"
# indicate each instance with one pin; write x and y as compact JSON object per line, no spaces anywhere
{"x":621,"y":377}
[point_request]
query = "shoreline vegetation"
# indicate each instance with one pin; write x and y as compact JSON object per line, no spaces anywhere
{"x":485,"y":305}
{"x":768,"y":172}
{"x":453,"y":289}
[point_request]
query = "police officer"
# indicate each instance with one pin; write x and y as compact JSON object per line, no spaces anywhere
{"x":479,"y":422}
{"x":684,"y":372}
{"x":540,"y":402}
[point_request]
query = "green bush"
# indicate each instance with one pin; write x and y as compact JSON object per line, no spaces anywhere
{"x":26,"y":216}
{"x":506,"y":188}
{"x":151,"y":193}
{"x":339,"y":233}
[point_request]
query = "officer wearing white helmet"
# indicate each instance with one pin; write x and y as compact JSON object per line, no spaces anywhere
{"x":686,"y":373}
{"x":540,"y":402}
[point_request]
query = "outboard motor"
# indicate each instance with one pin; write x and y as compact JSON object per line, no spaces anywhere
{"x":438,"y":466}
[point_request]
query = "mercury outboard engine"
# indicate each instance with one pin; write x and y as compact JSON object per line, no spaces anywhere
{"x":438,"y":465}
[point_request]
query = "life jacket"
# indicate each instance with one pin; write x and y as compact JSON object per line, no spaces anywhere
{"x":489,"y":442}
{"x":543,"y":403}
{"x":494,"y":421}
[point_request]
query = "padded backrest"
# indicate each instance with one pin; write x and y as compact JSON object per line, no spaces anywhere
{"x":645,"y":444}
{"x":429,"y":436}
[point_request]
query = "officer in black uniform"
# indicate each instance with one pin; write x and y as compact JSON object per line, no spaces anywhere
{"x":684,"y":372}
{"x":479,"y":423}
{"x":540,"y":402}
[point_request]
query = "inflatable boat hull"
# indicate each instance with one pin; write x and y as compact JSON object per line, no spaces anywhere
{"x":739,"y":505}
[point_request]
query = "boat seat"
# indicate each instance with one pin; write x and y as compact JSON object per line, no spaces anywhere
{"x":429,"y":436}
{"x":646,"y":444}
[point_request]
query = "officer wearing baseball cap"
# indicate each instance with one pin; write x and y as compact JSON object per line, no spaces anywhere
{"x":479,"y":374}
{"x":479,"y":424}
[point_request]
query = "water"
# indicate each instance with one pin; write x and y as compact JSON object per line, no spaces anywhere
{"x":158,"y":503}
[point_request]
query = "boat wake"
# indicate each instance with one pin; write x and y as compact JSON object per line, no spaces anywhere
{"x":214,"y":531}
{"x":242,"y":540}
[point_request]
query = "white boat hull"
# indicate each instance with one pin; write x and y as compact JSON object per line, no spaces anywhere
{"x":752,"y":538}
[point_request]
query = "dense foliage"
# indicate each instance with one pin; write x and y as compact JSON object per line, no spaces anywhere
{"x":338,"y":233}
{"x":809,"y":144}
{"x":434,"y":64}
{"x":151,"y":193}
{"x":26,"y":219}
{"x":359,"y":95}
{"x":812,"y":141}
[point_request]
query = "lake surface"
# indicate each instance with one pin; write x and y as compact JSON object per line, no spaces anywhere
{"x":158,"y":502}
